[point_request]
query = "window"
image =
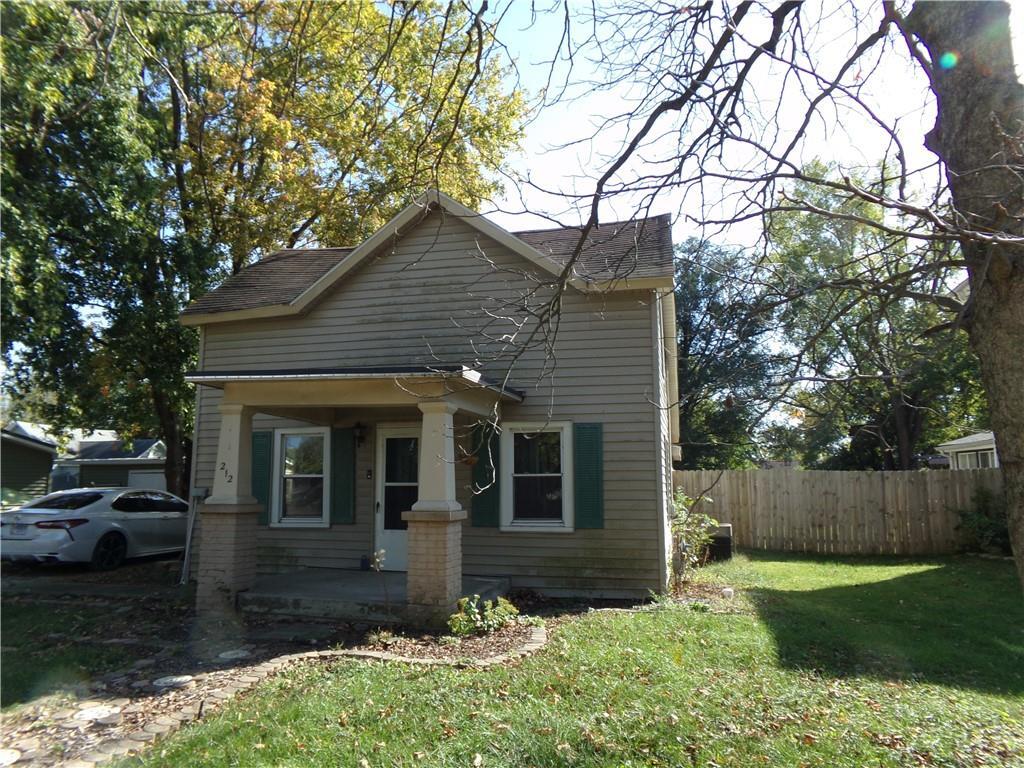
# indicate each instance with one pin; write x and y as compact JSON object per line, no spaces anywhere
{"x":975,"y":459}
{"x":300,"y":492}
{"x":132,"y":502}
{"x":536,"y":477}
{"x":65,"y":501}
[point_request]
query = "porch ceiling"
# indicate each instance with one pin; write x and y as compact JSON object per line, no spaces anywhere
{"x":358,"y":386}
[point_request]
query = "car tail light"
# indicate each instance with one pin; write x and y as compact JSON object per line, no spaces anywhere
{"x":65,"y":524}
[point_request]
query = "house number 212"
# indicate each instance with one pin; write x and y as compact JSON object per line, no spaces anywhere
{"x":229,"y":477}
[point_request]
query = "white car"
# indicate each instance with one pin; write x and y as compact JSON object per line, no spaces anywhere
{"x":101,"y":526}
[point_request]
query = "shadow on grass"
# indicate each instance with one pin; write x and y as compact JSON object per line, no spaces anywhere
{"x":959,"y":623}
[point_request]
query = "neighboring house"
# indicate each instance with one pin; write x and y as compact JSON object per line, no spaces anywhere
{"x":343,"y":391}
{"x":26,"y":456}
{"x":977,"y":451}
{"x":93,"y":463}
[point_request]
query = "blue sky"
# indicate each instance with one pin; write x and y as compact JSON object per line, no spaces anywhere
{"x":901,"y":92}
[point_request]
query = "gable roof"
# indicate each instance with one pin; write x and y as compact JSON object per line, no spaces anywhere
{"x":621,"y":255}
{"x":977,"y":440}
{"x":28,"y":441}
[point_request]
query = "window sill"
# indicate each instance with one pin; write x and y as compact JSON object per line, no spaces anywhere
{"x":301,"y":524}
{"x":532,"y":527}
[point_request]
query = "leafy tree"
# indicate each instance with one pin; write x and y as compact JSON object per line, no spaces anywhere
{"x":151,"y":149}
{"x":882,"y":386}
{"x":724,"y":364}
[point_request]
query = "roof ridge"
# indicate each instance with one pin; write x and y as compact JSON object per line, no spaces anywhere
{"x":599,"y":225}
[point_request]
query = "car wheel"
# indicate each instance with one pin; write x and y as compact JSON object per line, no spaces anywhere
{"x":109,"y":552}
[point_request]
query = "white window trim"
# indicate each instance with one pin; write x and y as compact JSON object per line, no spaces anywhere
{"x":275,"y":500}
{"x":508,"y":429}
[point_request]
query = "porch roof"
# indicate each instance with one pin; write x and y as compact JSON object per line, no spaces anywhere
{"x":358,"y":373}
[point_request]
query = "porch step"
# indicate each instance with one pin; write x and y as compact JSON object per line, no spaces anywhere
{"x":357,"y":596}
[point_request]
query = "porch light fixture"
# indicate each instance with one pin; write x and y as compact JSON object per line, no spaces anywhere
{"x":359,"y":430}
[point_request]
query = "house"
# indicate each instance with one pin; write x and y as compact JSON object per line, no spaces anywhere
{"x":977,"y":451}
{"x":26,"y":456}
{"x":103,"y":459}
{"x":346,"y":400}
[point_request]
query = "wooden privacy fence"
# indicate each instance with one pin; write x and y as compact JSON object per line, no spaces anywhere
{"x":903,"y":513}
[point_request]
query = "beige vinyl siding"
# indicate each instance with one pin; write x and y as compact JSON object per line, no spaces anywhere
{"x":420,"y":303}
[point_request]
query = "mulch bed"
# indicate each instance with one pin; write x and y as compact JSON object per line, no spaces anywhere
{"x":440,"y":647}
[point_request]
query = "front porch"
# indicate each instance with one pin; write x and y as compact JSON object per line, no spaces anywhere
{"x":376,"y":597}
{"x":312,"y":481}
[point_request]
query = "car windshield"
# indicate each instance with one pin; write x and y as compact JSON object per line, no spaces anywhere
{"x":65,"y":501}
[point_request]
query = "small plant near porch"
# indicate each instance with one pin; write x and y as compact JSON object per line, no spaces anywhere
{"x":480,"y":617}
{"x":691,"y":529}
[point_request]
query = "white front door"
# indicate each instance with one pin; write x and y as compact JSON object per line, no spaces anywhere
{"x":398,"y":459}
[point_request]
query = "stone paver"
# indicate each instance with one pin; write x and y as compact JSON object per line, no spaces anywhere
{"x":128,"y":730}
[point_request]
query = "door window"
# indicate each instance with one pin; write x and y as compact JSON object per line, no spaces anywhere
{"x":401,"y":479}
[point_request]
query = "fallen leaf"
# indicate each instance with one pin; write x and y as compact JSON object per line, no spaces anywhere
{"x":478,"y":760}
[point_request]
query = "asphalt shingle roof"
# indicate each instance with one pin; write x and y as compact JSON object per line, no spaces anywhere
{"x":628,"y":249}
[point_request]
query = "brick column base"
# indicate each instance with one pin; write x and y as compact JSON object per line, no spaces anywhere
{"x":434,"y":577}
{"x":227,"y":555}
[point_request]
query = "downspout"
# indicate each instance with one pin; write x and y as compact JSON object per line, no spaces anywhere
{"x":194,"y":501}
{"x":670,"y":340}
{"x":663,"y":476}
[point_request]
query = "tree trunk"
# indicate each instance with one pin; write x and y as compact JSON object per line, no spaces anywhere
{"x":176,"y":466}
{"x":980,"y":136}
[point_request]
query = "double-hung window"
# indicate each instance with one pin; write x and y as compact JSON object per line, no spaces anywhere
{"x":536,"y":477}
{"x":300,"y":482}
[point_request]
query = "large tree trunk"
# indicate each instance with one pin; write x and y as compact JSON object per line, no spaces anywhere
{"x":177,"y":464}
{"x":980,"y":136}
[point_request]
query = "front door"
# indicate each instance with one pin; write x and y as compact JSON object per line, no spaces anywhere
{"x":398,"y":460}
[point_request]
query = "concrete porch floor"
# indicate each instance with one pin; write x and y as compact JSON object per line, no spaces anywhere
{"x":349,"y":595}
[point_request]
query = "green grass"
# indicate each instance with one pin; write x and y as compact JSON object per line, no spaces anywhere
{"x":33,"y":664}
{"x":834,"y":663}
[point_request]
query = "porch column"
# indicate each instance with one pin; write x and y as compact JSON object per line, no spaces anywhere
{"x":435,"y":520}
{"x":227,"y":541}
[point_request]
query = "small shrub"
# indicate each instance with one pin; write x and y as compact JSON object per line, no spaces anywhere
{"x":691,"y":536}
{"x":479,"y":617}
{"x":984,"y":524}
{"x":380,"y":637}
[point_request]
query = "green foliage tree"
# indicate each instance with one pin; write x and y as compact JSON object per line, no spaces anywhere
{"x":151,"y":149}
{"x":881,"y":386}
{"x":724,"y":364}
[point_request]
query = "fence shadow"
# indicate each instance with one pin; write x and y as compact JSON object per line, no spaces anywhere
{"x":933,"y":626}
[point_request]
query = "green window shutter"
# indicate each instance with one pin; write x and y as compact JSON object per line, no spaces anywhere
{"x":343,"y":476}
{"x":262,"y":457}
{"x":588,"y":474}
{"x":486,"y":503}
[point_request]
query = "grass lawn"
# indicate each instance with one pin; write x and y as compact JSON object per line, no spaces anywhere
{"x":40,"y":654}
{"x":816,"y":663}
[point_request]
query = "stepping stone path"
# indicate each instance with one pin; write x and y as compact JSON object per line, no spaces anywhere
{"x":173,"y":681}
{"x":98,"y":713}
{"x":106,"y":728}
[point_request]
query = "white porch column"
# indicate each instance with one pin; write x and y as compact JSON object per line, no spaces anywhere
{"x":435,"y":521}
{"x":437,"y":458}
{"x":232,"y":483}
{"x":227,"y":532}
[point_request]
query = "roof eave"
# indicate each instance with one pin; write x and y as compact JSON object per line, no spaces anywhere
{"x":232,"y":315}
